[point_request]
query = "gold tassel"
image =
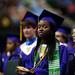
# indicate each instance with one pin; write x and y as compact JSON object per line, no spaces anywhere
{"x":20,"y":31}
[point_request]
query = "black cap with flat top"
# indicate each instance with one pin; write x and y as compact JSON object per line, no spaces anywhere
{"x":53,"y":18}
{"x":30,"y":18}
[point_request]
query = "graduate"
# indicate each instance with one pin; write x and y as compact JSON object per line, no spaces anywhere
{"x":10,"y":53}
{"x":48,"y":23}
{"x":62,"y":35}
{"x":71,"y":54}
{"x":27,"y":48}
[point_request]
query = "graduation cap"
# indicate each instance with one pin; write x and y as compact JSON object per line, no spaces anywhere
{"x":66,"y":30}
{"x":51,"y":18}
{"x":30,"y":18}
{"x":13,"y":36}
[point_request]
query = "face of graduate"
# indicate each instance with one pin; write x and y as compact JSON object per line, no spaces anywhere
{"x":73,"y":34}
{"x":43,"y":28}
{"x":29,"y":32}
{"x":10,"y":45}
{"x":59,"y":37}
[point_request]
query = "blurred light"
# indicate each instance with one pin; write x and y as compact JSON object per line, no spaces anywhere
{"x":26,"y":3}
{"x":36,"y":8}
{"x":21,"y":11}
{"x":5,"y":22}
{"x":12,"y":11}
{"x":15,"y":20}
{"x":13,"y":15}
{"x":71,"y":8}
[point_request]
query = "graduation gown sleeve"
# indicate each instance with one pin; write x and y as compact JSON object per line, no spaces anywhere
{"x":63,"y":59}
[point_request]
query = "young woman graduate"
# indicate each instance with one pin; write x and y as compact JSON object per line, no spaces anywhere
{"x":48,"y":23}
{"x":62,"y":35}
{"x":10,"y":53}
{"x":71,"y":55}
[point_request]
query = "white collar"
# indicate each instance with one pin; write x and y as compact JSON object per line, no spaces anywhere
{"x":24,"y":48}
{"x":65,"y":44}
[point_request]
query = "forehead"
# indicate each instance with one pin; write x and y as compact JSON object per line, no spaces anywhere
{"x":9,"y":40}
{"x":58,"y":33}
{"x":43,"y":22}
{"x":28,"y":26}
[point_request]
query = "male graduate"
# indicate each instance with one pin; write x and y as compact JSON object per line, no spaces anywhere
{"x":62,"y":36}
{"x":27,"y":48}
